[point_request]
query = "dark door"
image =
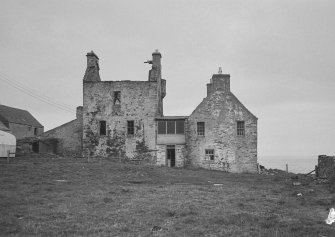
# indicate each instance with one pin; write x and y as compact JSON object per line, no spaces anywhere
{"x":171,"y":155}
{"x":36,"y":147}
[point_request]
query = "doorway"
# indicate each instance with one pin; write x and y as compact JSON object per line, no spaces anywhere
{"x":36,"y":147}
{"x":171,"y":155}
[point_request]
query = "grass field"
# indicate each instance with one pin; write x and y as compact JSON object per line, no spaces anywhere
{"x":72,"y":197}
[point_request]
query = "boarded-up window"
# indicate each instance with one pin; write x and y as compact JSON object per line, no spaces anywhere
{"x":130,"y":127}
{"x":171,"y":127}
{"x":102,"y":127}
{"x":201,"y":128}
{"x":180,"y":127}
{"x":240,"y":128}
{"x":161,"y":127}
{"x":209,"y":154}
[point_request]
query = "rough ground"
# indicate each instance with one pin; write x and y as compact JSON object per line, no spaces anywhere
{"x":45,"y":196}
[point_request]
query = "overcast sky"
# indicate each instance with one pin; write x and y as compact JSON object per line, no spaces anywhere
{"x":280,"y":55}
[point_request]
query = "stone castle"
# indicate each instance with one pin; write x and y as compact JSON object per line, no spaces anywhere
{"x":125,"y":119}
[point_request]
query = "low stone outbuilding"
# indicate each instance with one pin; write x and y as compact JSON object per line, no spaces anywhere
{"x":64,"y":140}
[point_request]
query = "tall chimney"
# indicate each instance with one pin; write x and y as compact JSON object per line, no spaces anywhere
{"x":92,"y":70}
{"x":155,"y":71}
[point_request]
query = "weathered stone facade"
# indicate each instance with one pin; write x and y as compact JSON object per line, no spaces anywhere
{"x":220,"y":112}
{"x":124,"y":119}
{"x":115,"y":104}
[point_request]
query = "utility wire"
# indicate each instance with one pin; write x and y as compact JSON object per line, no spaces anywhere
{"x":32,"y":91}
{"x":34,"y":94}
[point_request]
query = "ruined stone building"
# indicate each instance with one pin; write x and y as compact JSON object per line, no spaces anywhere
{"x":125,"y":119}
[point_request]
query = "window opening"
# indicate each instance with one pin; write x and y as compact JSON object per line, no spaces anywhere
{"x":117,"y":97}
{"x":130,"y":127}
{"x":201,"y":128}
{"x":240,"y":128}
{"x":102,"y":127}
{"x":209,"y":154}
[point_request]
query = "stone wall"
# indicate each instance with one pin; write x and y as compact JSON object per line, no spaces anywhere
{"x":21,"y":130}
{"x":220,"y":112}
{"x":326,"y":166}
{"x":138,"y":102}
{"x":63,"y":140}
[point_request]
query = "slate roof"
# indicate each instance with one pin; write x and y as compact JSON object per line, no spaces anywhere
{"x":3,"y":127}
{"x":13,"y":115}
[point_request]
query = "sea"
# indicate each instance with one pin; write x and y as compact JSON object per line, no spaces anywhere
{"x":296,"y":164}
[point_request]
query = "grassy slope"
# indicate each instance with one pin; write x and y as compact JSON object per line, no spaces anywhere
{"x":111,"y":199}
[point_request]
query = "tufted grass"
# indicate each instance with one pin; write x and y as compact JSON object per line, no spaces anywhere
{"x":71,"y":197}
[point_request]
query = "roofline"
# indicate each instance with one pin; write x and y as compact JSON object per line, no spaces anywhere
{"x":27,"y":124}
{"x":172,"y":118}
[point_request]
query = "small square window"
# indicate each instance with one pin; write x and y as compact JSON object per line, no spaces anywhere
{"x":130,"y":127}
{"x":209,"y":154}
{"x":201,"y":128}
{"x":103,"y":128}
{"x":240,"y":128}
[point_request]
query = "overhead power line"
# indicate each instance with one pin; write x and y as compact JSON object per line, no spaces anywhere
{"x":34,"y":93}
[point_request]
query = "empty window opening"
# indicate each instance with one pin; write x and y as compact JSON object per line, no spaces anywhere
{"x":130,"y":127}
{"x":209,"y":154}
{"x":103,"y":128}
{"x":35,"y":131}
{"x":240,"y":128}
{"x":117,"y":97}
{"x":201,"y":128}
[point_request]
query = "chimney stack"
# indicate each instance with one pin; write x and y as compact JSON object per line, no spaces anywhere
{"x":92,"y":70}
{"x":219,"y":81}
{"x":155,"y":71}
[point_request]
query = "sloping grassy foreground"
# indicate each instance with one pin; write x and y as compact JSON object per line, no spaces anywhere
{"x":71,"y":197}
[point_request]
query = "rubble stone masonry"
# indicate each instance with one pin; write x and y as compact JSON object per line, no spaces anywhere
{"x":138,"y":103}
{"x":220,"y":111}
